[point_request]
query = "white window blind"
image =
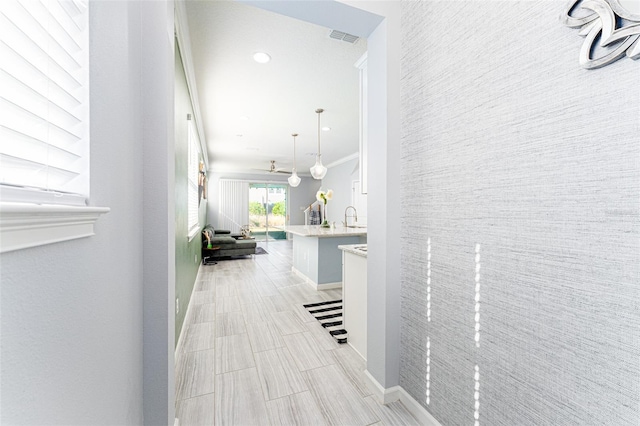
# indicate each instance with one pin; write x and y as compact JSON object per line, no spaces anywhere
{"x":44,"y":101}
{"x":192,"y":172}
{"x":233,"y":204}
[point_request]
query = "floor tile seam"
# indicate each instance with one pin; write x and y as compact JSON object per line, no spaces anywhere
{"x":198,"y":323}
{"x":245,"y":304}
{"x":228,"y":335}
{"x":318,"y":401}
{"x":270,"y":349}
{"x":201,"y":322}
{"x":265,"y":392}
{"x":185,"y":349}
{"x":246,"y":334}
{"x":233,"y":371}
{"x":227,"y":312}
{"x":287,"y":396}
{"x":289,"y":286}
{"x":352,"y":382}
{"x":316,"y":340}
{"x":195,"y":396}
{"x":288,"y":352}
{"x":400,"y":416}
{"x":200,"y":350}
{"x":357,"y":395}
{"x":260,"y":266}
{"x":312,"y":368}
{"x":253,"y":353}
{"x":197,"y":350}
{"x":341,"y":373}
{"x":192,"y":316}
{"x":200,"y":304}
{"x":236,"y":371}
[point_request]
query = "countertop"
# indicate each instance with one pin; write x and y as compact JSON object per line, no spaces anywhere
{"x":357,"y":249}
{"x":319,"y":232}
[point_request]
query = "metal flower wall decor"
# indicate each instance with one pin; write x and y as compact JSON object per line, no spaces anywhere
{"x":611,"y":29}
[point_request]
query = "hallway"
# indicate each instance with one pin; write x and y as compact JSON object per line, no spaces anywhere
{"x":252,"y":355}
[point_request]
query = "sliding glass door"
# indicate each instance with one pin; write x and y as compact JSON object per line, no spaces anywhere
{"x":267,"y":211}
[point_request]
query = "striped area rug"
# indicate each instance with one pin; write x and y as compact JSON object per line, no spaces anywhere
{"x":329,"y":314}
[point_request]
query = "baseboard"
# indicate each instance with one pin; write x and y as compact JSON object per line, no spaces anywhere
{"x":397,"y":393}
{"x":382,"y":395}
{"x":316,"y":286}
{"x":329,"y":286}
{"x":356,"y":351}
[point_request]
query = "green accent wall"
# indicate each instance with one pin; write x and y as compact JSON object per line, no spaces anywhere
{"x":188,"y":253}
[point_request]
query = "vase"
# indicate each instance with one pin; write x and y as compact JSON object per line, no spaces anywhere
{"x":325,"y":223}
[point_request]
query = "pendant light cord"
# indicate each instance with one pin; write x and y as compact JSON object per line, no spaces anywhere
{"x":294,"y":149}
{"x":319,"y":111}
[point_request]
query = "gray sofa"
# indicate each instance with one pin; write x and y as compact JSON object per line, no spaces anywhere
{"x":230,"y":244}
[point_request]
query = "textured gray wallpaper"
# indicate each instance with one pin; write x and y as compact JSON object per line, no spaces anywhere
{"x":521,"y":201}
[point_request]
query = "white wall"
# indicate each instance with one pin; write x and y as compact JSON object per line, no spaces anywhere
{"x":339,"y":178}
{"x":300,"y":197}
{"x":383,"y":231}
{"x":522,"y":169}
{"x":72,"y":328}
{"x":157,"y":38}
{"x":75,"y":347}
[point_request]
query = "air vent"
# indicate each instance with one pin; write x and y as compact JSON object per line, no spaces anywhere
{"x":339,"y":35}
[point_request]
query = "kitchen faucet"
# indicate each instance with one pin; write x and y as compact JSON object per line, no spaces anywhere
{"x":355,"y":214}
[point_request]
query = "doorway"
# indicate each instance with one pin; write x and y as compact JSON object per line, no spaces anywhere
{"x":267,"y":211}
{"x":156,"y":397}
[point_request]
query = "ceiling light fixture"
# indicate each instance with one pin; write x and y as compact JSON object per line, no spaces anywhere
{"x":318,"y":171}
{"x":326,"y":128}
{"x":261,"y":57}
{"x":294,"y":180}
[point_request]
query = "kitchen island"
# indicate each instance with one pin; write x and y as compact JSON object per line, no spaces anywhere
{"x":316,"y":256}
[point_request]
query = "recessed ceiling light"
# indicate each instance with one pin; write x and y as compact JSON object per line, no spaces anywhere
{"x":244,"y":118}
{"x":261,"y":57}
{"x":326,"y":128}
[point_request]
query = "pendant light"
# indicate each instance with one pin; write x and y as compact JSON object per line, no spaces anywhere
{"x":318,"y":170}
{"x":294,"y":180}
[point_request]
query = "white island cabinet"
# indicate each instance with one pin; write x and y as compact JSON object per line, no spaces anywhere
{"x":316,"y":257}
{"x":354,"y":296}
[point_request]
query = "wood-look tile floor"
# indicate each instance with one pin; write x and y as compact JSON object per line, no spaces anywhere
{"x":252,"y":355}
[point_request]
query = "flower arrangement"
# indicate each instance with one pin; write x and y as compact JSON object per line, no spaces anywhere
{"x":323,"y":197}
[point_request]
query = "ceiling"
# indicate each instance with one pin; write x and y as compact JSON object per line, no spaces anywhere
{"x":249,"y":110}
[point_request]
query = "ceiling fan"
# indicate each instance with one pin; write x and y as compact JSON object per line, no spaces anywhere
{"x":273,"y":168}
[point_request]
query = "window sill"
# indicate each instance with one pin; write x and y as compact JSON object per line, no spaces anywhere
{"x":192,"y":234}
{"x":31,"y":225}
